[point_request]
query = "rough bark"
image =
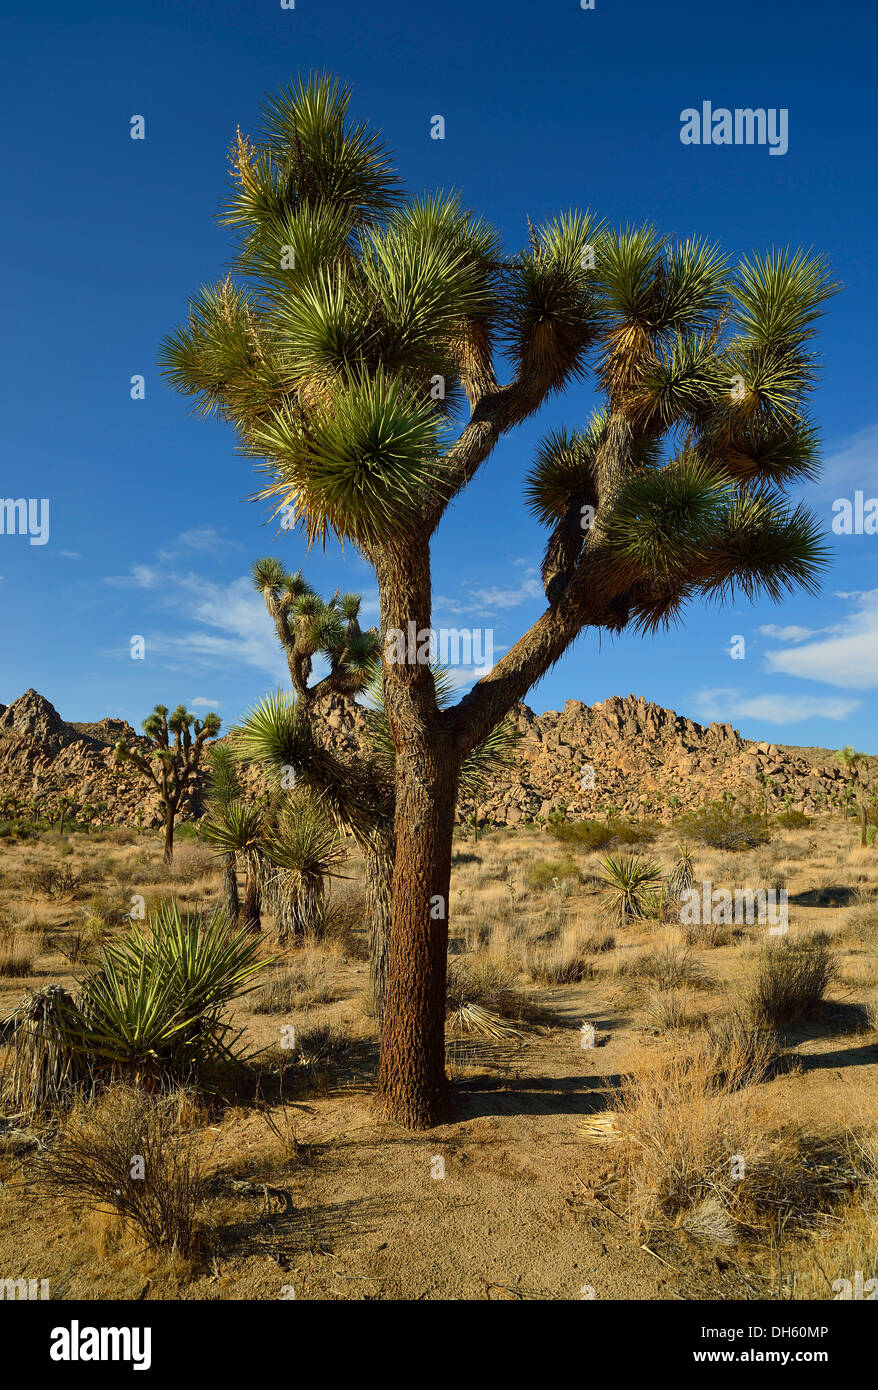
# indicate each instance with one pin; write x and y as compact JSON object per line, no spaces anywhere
{"x":230,"y":888}
{"x":412,"y":1085}
{"x":378,"y":853}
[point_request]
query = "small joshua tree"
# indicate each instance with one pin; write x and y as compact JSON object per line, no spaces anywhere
{"x":170,"y":766}
{"x":852,"y":761}
{"x":224,"y":789}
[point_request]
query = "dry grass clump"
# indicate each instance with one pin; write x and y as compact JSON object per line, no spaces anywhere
{"x":547,"y":873}
{"x":486,"y":980}
{"x":665,"y":966}
{"x":191,"y":863}
{"x":861,"y":920}
{"x":323,"y":1044}
{"x":343,"y":930}
{"x":701,"y":1151}
{"x":311,"y":980}
{"x":670,"y":1009}
{"x":839,"y":1262}
{"x":126,"y":1153}
{"x":791,"y":981}
{"x":19,"y":952}
{"x":564,"y":962}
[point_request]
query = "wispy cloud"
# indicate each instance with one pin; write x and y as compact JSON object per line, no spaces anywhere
{"x":485,"y":602}
{"x":847,"y":658}
{"x":728,"y":705}
{"x":222,"y":626}
{"x":202,"y":702}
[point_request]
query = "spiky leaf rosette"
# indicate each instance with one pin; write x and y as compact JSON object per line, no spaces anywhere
{"x":361,"y":466}
{"x":304,"y":840}
{"x":308,"y":154}
{"x":549,"y":317}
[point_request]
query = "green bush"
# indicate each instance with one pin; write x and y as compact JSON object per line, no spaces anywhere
{"x":546,"y":871}
{"x":725,"y":826}
{"x":791,"y":820}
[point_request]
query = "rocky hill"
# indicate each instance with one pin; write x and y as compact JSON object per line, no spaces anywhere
{"x":624,"y":753}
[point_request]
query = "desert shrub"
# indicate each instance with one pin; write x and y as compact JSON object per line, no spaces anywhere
{"x":791,"y":980}
{"x":94,"y":1163}
{"x":192,"y":860}
{"x":666,"y":967}
{"x":52,"y":882}
{"x":584,"y":834}
{"x":792,"y":819}
{"x":18,"y":953}
{"x":562,"y":962}
{"x":323,"y":1044}
{"x":630,"y":832}
{"x":680,"y":1121}
{"x":311,"y":980}
{"x":861,"y":920}
{"x":595,"y":941}
{"x":742,"y":1051}
{"x":111,"y":909}
{"x":342,"y":931}
{"x":630,"y":884}
{"x":487,"y":981}
{"x":669,"y":1009}
{"x":709,"y":935}
{"x":544,"y":872}
{"x":724,"y":826}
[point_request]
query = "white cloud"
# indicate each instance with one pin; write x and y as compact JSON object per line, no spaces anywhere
{"x":234,"y":629}
{"x":202,"y":702}
{"x":726,"y":705}
{"x":848,"y":658}
{"x":789,"y":634}
{"x":485,"y":601}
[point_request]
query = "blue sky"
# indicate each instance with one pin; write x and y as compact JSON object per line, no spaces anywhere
{"x":546,"y":107}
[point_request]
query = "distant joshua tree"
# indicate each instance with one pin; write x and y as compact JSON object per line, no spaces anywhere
{"x":170,"y":765}
{"x":851,"y":761}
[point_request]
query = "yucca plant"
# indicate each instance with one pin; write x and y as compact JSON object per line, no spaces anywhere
{"x":362,"y":372}
{"x":155,"y":1004}
{"x":305,"y":849}
{"x":630,"y":885}
{"x":682,"y":876}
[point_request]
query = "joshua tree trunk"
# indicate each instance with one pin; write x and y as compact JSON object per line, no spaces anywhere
{"x":169,"y":836}
{"x":864,"y":820}
{"x":230,"y":888}
{"x":379,"y":858}
{"x":252,"y":911}
{"x":412,"y":1085}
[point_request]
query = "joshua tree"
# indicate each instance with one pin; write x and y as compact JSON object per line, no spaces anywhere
{"x":852,"y":761}
{"x":355,"y":357}
{"x":223,"y":789}
{"x":236,"y":828}
{"x":170,"y":765}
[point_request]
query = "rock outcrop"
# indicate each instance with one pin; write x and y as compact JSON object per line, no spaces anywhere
{"x":622,"y":753}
